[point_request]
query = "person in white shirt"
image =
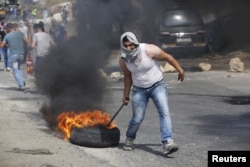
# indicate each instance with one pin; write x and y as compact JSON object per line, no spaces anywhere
{"x":139,"y":62}
{"x":41,"y":42}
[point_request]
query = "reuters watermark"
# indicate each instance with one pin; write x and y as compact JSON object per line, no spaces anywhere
{"x":228,"y":158}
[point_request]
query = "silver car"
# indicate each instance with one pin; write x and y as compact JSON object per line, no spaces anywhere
{"x":182,"y":31}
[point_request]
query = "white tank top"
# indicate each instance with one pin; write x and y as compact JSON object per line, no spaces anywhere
{"x":147,"y":72}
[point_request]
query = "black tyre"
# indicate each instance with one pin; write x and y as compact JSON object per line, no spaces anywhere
{"x":97,"y":137}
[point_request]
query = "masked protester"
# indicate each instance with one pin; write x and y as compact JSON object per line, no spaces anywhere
{"x":139,"y":62}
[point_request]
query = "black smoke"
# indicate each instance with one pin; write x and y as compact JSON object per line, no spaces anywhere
{"x":70,"y":73}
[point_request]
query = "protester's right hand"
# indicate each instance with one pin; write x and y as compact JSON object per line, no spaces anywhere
{"x":125,"y":100}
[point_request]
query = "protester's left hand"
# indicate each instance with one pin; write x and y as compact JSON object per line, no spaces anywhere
{"x":181,"y":76}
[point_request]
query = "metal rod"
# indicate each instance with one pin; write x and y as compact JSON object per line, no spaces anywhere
{"x":115,"y":114}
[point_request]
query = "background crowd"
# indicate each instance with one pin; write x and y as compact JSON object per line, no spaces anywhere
{"x":24,"y":36}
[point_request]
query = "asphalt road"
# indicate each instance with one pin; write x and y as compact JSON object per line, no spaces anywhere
{"x":210,"y":111}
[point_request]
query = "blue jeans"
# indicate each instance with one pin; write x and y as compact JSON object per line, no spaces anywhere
{"x":15,"y":61}
{"x":140,"y":97}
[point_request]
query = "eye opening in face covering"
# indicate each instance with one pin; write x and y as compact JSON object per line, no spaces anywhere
{"x":129,"y":45}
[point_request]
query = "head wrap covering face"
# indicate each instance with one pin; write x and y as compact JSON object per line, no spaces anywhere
{"x":130,"y":56}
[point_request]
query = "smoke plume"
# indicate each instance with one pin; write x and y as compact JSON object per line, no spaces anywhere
{"x":70,"y":73}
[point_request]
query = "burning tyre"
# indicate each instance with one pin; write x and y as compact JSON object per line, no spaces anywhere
{"x":90,"y":129}
{"x":98,"y":137}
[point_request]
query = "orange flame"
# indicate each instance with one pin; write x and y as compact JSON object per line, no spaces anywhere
{"x":68,"y":120}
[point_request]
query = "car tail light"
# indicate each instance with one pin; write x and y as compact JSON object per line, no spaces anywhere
{"x":164,"y":33}
{"x":201,"y":32}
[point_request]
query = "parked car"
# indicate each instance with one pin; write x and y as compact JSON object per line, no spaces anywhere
{"x":182,"y":31}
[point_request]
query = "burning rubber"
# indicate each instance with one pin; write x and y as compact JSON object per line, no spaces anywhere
{"x":90,"y":129}
{"x":97,"y":137}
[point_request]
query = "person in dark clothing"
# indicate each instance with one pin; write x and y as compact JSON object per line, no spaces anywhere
{"x":57,"y":32}
{"x":4,"y":50}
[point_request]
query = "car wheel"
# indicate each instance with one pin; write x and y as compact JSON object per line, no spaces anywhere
{"x":97,"y":137}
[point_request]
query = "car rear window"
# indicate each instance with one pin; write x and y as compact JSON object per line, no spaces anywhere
{"x":181,"y":18}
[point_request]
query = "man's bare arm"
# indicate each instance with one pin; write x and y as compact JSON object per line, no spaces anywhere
{"x":2,"y":44}
{"x":127,"y":81}
{"x":26,"y":40}
{"x":157,"y":53}
{"x":33,"y":44}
